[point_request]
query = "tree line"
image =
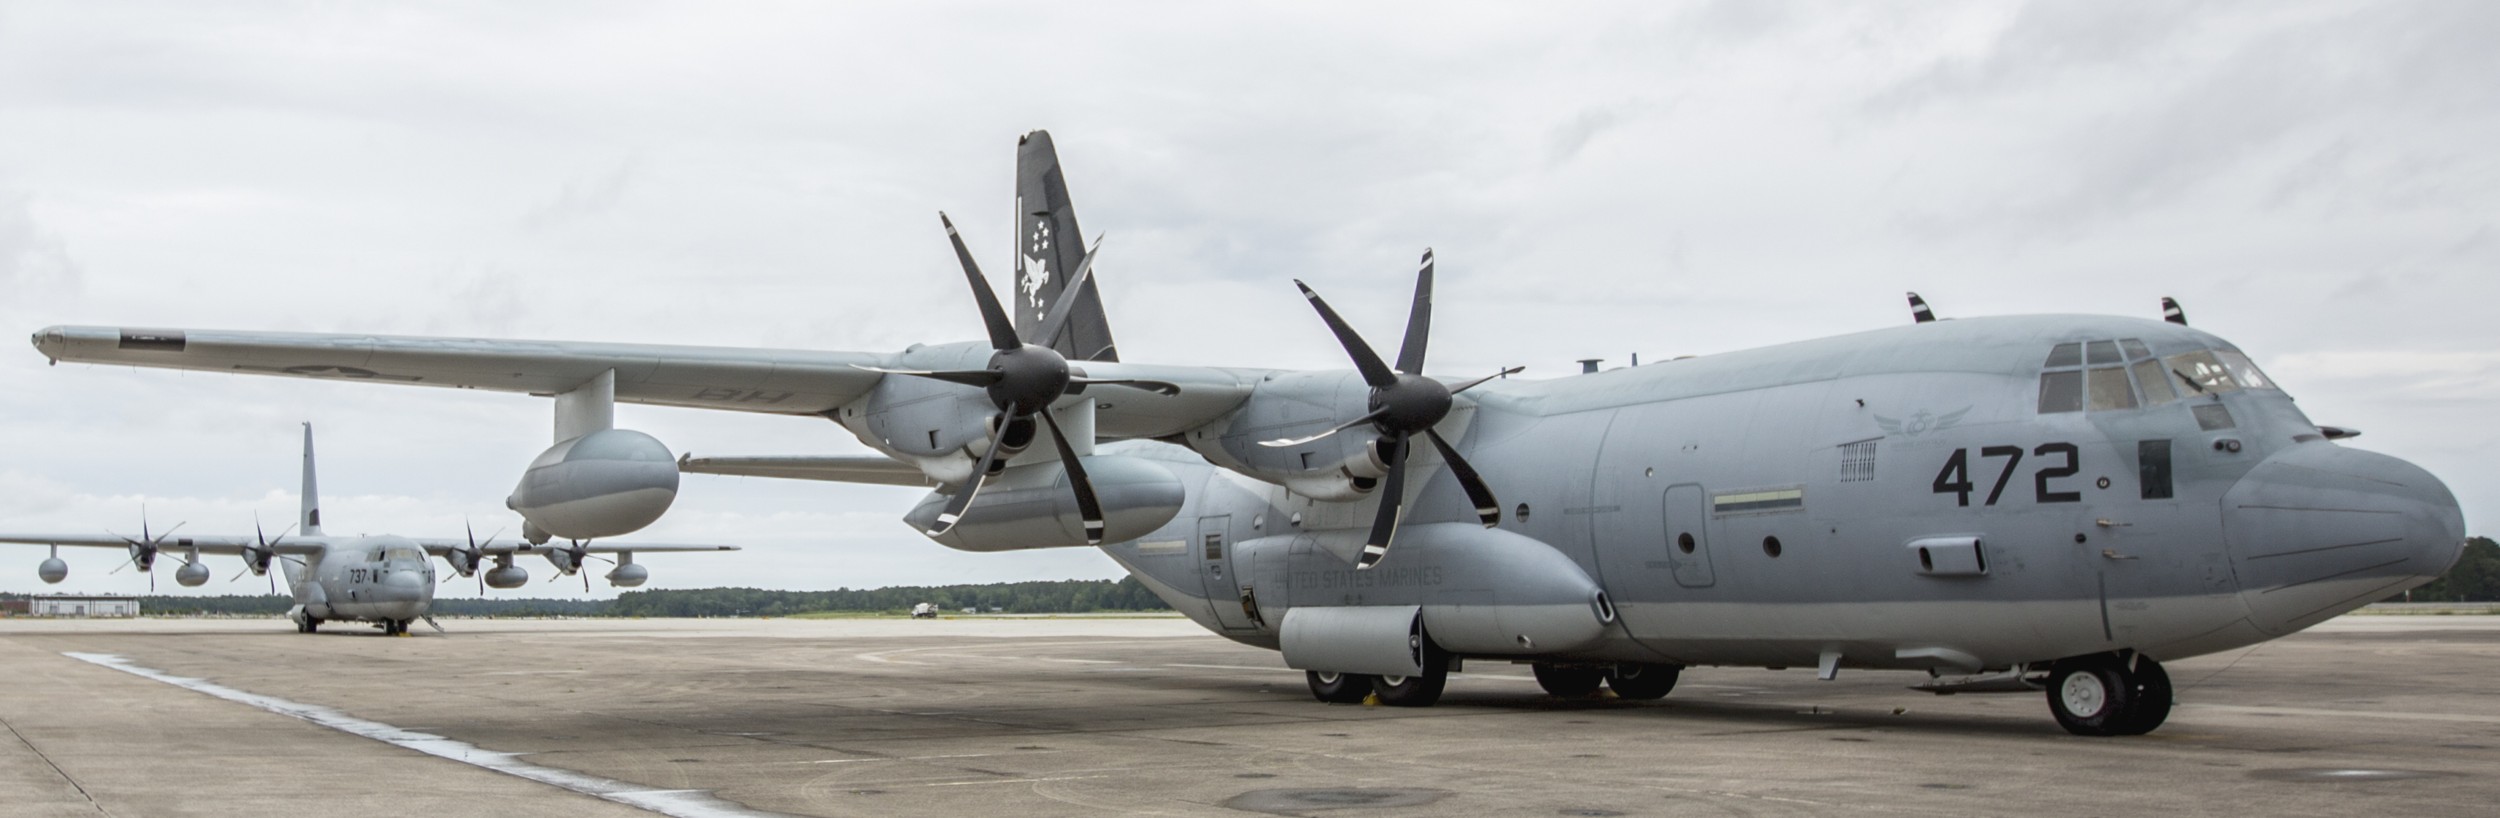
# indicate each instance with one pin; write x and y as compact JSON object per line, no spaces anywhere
{"x":2475,"y":578}
{"x":1064,"y":596}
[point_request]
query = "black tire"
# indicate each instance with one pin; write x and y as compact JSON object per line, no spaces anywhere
{"x":1643,"y":682}
{"x":1338,"y":688}
{"x":2092,"y":695}
{"x":1569,"y":682}
{"x":2152,"y":699}
{"x":311,"y":625}
{"x":1420,"y":690}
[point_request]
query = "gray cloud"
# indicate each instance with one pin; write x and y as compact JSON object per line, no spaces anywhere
{"x":34,"y":263}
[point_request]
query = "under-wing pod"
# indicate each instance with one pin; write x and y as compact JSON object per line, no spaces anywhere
{"x":628,"y":573}
{"x":506,"y":575}
{"x":53,"y":570}
{"x":602,"y":484}
{"x":1030,"y":506}
{"x":192,"y":574}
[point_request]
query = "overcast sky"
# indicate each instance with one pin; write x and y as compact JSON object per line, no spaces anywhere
{"x":2315,"y":181}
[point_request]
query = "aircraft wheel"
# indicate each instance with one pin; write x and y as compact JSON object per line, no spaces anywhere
{"x":1338,"y":688}
{"x":1420,"y":690}
{"x":2152,"y":699}
{"x":311,"y":625}
{"x":1643,"y":682}
{"x":1569,"y":682}
{"x":2093,"y":695}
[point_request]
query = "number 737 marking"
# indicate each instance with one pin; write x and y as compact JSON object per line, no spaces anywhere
{"x":1955,"y":478}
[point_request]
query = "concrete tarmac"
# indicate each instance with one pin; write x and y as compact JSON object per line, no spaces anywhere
{"x":2396,"y":715}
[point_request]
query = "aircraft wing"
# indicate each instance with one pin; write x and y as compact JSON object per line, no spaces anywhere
{"x":873,"y":469}
{"x":439,"y":547}
{"x":171,"y":544}
{"x":748,"y":380}
{"x":730,"y":378}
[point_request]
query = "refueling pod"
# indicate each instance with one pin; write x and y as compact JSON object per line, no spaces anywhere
{"x":597,"y":480}
{"x":628,"y":573}
{"x":192,"y":574}
{"x":53,"y":570}
{"x":506,"y":575}
{"x":601,"y":484}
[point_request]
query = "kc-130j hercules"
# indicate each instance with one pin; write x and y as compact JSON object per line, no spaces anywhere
{"x":2010,"y":503}
{"x":383,"y":579}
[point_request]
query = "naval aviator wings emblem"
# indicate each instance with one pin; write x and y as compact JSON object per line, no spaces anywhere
{"x":1921,"y":422}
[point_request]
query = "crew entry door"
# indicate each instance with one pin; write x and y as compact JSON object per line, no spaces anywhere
{"x":1214,"y":548}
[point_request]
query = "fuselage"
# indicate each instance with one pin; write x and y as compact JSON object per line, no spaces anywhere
{"x":1958,"y":495}
{"x":378,"y":578}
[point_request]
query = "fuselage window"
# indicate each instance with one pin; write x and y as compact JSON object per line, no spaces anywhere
{"x":2101,"y":352}
{"x":2061,"y":391}
{"x":2155,"y":383}
{"x":2109,"y":390}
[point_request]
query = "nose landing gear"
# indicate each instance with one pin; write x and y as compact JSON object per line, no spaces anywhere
{"x":2109,"y":694}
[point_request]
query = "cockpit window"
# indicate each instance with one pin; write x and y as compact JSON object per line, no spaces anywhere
{"x":2061,"y":391}
{"x":2065,"y":355}
{"x":2201,"y":373}
{"x":2155,"y":382}
{"x":2101,"y":352}
{"x":2135,"y":349}
{"x":2108,"y":388}
{"x":2243,"y":370}
{"x":402,"y":554}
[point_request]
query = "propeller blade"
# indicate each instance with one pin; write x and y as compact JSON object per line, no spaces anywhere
{"x":1392,"y":495}
{"x":1365,"y":360}
{"x":1297,"y":441}
{"x":972,"y":487}
{"x":1165,"y":388}
{"x":1086,"y":505}
{"x":1480,"y":381}
{"x":1488,"y":509}
{"x":169,"y":532}
{"x":967,"y":377}
{"x":1047,"y":332}
{"x":1002,"y":330}
{"x":1418,"y":321}
{"x":2170,"y":311}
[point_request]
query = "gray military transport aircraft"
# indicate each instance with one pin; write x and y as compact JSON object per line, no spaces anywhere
{"x":383,"y":579}
{"x":2058,"y":502}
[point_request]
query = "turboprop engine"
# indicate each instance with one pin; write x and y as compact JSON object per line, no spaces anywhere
{"x":602,"y":484}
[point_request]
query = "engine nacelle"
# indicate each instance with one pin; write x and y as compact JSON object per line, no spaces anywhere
{"x":602,"y":484}
{"x":628,"y":574}
{"x":939,"y":428}
{"x":53,"y":570}
{"x":191,"y":575}
{"x":1340,"y":467}
{"x":507,"y":575}
{"x":1031,"y":506}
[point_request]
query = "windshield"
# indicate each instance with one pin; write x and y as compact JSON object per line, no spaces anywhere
{"x":2215,"y":371}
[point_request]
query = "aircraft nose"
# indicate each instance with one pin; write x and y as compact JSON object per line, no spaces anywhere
{"x":400,"y":586}
{"x":2319,"y":529}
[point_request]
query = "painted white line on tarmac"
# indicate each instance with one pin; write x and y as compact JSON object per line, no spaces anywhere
{"x":679,"y":803}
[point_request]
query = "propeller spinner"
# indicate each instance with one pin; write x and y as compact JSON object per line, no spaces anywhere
{"x":1403,"y":404}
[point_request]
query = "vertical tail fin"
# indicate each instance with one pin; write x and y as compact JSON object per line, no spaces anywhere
{"x":310,"y":522}
{"x":1048,"y":246}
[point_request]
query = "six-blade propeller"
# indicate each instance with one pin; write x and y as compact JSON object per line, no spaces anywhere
{"x":1403,"y":403}
{"x":1024,"y":377}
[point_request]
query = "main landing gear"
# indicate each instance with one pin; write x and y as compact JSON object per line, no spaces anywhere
{"x":307,"y":625}
{"x":395,"y":627}
{"x":1636,"y":682}
{"x":1420,"y":690}
{"x":2109,"y":694}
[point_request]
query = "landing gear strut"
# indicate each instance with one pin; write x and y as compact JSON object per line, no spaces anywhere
{"x":2109,"y":694}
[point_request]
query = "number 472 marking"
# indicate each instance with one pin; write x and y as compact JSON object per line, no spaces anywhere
{"x":1955,"y":478}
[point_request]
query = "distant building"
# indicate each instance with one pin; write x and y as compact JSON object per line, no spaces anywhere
{"x":88,"y":606}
